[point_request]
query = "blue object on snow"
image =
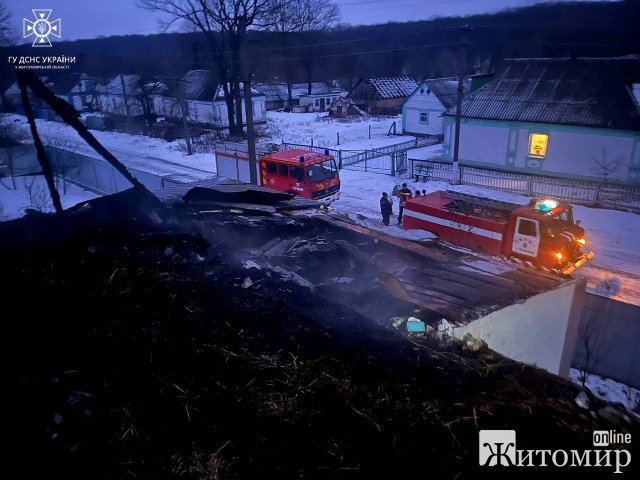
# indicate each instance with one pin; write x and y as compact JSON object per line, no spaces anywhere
{"x":415,"y":326}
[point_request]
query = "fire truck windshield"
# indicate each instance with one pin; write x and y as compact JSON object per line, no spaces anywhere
{"x":560,"y":221}
{"x":322,"y":171}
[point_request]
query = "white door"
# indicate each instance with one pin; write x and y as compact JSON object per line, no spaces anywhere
{"x":526,"y":238}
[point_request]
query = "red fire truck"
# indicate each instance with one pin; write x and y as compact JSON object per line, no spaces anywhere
{"x":307,"y":174}
{"x":542,"y":232}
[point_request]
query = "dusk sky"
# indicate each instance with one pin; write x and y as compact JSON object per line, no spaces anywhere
{"x":93,"y":18}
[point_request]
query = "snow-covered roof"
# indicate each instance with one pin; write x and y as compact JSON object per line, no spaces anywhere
{"x":114,"y":86}
{"x":393,"y":87}
{"x":279,"y":91}
{"x":199,"y":85}
{"x":219,"y":95}
{"x":591,"y":92}
{"x":446,"y":89}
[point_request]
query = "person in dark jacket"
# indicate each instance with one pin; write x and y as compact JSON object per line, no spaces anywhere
{"x":385,"y":208}
{"x":404,"y":194}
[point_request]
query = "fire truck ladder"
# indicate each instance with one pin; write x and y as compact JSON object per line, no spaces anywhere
{"x":475,"y":200}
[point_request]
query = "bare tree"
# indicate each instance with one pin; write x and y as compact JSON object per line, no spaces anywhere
{"x":7,"y":35}
{"x":590,"y":332}
{"x":308,"y":16}
{"x":38,"y":194}
{"x":225,"y":24}
{"x":605,"y":167}
{"x":147,"y":88}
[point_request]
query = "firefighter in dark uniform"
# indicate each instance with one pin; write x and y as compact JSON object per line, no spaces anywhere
{"x":385,"y":208}
{"x":404,"y":194}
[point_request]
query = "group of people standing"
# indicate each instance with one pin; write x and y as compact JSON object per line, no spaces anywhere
{"x":386,"y":202}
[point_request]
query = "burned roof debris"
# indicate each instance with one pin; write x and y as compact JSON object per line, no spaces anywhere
{"x":178,"y":344}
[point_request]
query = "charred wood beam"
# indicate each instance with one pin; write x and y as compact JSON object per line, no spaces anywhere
{"x":41,"y":154}
{"x":72,"y":118}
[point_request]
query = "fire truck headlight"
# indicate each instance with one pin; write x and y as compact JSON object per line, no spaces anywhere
{"x":559,"y":256}
{"x":582,"y":241}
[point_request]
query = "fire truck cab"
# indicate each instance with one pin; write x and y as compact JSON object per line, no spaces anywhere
{"x":543,"y":232}
{"x":305,"y":173}
{"x":308,"y":174}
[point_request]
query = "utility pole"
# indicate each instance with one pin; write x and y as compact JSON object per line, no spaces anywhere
{"x":456,"y":142}
{"x":251,"y":140}
{"x":126,"y":100}
{"x":245,"y":71}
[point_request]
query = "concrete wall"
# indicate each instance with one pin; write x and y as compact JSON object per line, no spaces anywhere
{"x":572,"y":152}
{"x":542,"y":330}
{"x":611,"y":329}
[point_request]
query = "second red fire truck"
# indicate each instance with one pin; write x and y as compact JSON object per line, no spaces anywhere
{"x":543,"y":232}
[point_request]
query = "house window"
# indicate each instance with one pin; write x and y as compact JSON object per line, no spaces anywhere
{"x":424,"y":117}
{"x":317,"y":102}
{"x":538,"y":144}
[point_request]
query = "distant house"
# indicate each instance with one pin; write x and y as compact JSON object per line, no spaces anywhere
{"x":113,"y":94}
{"x":204,"y":98}
{"x":382,"y":95}
{"x":319,"y":100}
{"x":572,"y":118}
{"x":422,"y":110}
{"x":79,"y":89}
{"x":344,"y":107}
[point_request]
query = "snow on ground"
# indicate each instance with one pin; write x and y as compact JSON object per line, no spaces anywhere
{"x":431,"y":152}
{"x":613,"y":235}
{"x":147,"y":154}
{"x":609,"y":390}
{"x":14,"y":202}
{"x":301,"y":128}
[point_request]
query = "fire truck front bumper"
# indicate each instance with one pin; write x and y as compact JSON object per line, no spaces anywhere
{"x":571,"y":267}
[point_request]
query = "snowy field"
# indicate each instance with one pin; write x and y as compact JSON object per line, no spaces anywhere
{"x":32,"y":192}
{"x":152,"y":155}
{"x":609,"y":390}
{"x":301,"y":128}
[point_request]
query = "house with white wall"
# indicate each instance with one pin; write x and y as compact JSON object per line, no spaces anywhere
{"x":382,"y":95}
{"x":112,"y":95}
{"x":320,"y":99}
{"x":561,"y":117}
{"x":79,"y":89}
{"x":422,"y":110}
{"x":205,"y":102}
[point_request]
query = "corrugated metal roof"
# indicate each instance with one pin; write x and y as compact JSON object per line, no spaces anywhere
{"x":581,"y":91}
{"x":446,"y":89}
{"x":279,"y":91}
{"x":199,"y":85}
{"x":393,"y":87}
